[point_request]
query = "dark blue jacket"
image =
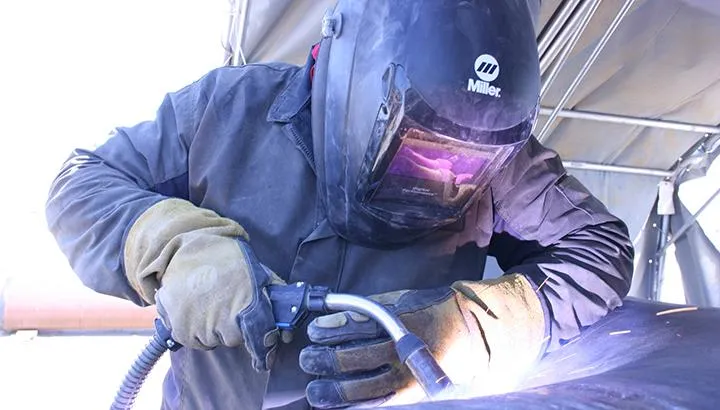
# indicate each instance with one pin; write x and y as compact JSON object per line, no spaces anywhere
{"x":238,"y":141}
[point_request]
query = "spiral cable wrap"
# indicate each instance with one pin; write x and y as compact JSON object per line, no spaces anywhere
{"x":135,"y":377}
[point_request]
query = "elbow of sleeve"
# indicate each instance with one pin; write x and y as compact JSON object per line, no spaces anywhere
{"x":623,"y":255}
{"x":88,"y":208}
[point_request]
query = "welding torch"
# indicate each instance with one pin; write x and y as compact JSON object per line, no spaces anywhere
{"x":291,"y":305}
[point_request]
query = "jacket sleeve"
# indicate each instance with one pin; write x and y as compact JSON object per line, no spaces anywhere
{"x":551,"y":229}
{"x":98,"y":194}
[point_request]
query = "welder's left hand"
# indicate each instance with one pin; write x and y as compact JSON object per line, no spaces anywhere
{"x":485,"y":335}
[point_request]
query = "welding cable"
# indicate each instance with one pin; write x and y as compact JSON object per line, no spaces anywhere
{"x":141,"y":367}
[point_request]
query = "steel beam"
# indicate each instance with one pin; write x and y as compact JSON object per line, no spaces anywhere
{"x":542,"y":135}
{"x":629,"y":120}
{"x":589,"y":166}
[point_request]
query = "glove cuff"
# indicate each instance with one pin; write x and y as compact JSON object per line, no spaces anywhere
{"x":157,"y":234}
{"x":512,"y":323}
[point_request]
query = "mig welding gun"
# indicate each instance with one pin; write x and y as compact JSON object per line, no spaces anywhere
{"x":291,"y":305}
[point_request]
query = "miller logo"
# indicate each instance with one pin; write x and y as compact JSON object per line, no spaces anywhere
{"x":487,"y":70}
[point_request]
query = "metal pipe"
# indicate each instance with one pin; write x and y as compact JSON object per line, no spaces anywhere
{"x":60,"y":307}
{"x":559,"y":18}
{"x":564,"y":36}
{"x":586,"y":67}
{"x":588,"y":166}
{"x":370,"y":308}
{"x":675,"y":236}
{"x":659,"y":266}
{"x":586,"y":12}
{"x":625,"y":119}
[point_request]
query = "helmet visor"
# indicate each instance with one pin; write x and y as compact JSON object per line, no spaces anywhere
{"x":420,"y":168}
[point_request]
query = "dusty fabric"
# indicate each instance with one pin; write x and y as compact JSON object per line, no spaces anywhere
{"x":164,"y":232}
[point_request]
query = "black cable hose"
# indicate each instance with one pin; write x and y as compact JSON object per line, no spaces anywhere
{"x":135,"y":377}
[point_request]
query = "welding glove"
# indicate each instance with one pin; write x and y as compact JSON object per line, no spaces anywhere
{"x":200,"y":271}
{"x":484,"y":335}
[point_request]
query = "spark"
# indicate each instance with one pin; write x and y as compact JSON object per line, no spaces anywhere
{"x":677,"y":310}
{"x":566,"y":357}
{"x":542,"y":284}
{"x":545,"y":339}
{"x":584,"y":369}
{"x":571,"y":341}
{"x":619,"y":332}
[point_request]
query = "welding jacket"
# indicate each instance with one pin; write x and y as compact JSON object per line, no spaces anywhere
{"x":238,"y":141}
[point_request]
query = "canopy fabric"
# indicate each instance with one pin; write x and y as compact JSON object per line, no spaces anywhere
{"x":662,"y":63}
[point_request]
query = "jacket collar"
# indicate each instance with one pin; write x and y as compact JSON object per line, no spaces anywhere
{"x":295,"y":96}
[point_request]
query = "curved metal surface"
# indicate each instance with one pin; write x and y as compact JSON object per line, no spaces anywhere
{"x":644,"y":355}
{"x":341,"y":301}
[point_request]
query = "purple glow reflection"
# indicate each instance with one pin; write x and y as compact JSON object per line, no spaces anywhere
{"x":437,"y":164}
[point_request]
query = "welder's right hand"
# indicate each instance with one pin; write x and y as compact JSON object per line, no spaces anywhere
{"x":207,"y":283}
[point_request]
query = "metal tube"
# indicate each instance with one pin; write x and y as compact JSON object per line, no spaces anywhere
{"x":688,"y":224}
{"x":576,"y":23}
{"x":372,"y":309}
{"x":659,"y":266}
{"x":625,"y":119}
{"x":558,"y":21}
{"x":586,"y":67}
{"x":588,"y":166}
{"x":587,"y":11}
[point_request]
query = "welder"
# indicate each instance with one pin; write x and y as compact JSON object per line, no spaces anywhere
{"x":391,"y":164}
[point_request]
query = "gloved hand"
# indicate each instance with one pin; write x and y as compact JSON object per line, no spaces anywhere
{"x":483,"y":334}
{"x":208,"y":285}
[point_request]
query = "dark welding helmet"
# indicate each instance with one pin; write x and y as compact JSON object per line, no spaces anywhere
{"x":416,"y":107}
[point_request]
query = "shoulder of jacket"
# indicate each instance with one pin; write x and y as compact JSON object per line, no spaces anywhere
{"x":266,"y":75}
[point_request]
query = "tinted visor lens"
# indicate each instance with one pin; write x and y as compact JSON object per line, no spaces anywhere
{"x":427,"y":169}
{"x":420,"y":169}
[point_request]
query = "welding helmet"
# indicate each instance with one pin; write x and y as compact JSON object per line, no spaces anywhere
{"x":416,"y":107}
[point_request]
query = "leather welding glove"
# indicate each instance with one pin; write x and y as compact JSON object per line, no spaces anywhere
{"x":200,"y":271}
{"x":484,"y":335}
